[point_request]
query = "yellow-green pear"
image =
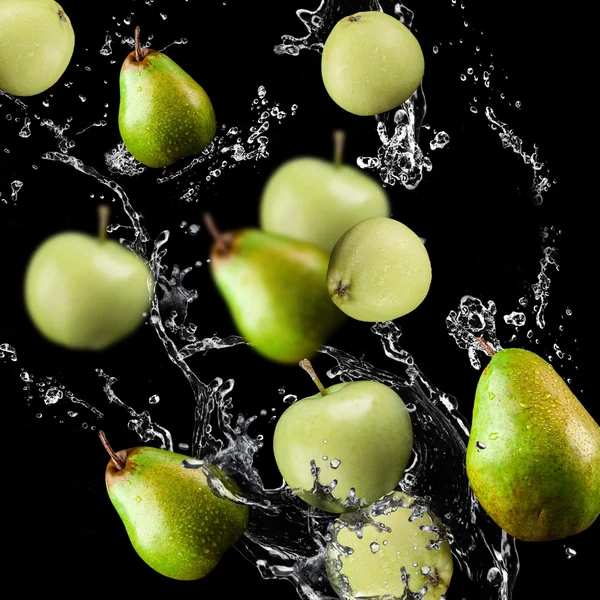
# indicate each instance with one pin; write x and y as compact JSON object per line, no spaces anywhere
{"x":533,"y":458}
{"x":274,"y":287}
{"x":164,"y":114}
{"x":174,"y":520}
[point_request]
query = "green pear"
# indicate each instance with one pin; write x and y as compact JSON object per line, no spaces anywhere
{"x":164,"y":114}
{"x":392,"y":547}
{"x":84,"y":292}
{"x":174,"y":520}
{"x":358,"y":434}
{"x":275,"y":289}
{"x":533,"y":458}
{"x":36,"y":45}
{"x":316,"y":200}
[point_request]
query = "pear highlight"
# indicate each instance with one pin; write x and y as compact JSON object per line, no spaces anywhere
{"x":164,"y":114}
{"x":533,"y":458}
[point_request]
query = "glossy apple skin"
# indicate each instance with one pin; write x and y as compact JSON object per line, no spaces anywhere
{"x":85,"y":293}
{"x":36,"y":45}
{"x":374,"y":567}
{"x":363,"y":424}
{"x":383,"y":269}
{"x":371,"y":63}
{"x":317,"y":201}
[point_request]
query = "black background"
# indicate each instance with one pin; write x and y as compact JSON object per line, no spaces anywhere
{"x":474,"y":209}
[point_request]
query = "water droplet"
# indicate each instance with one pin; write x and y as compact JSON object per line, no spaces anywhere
{"x":570,"y":552}
{"x":154,"y":399}
{"x":480,"y":446}
{"x":374,"y":547}
{"x":138,"y":498}
{"x":493,"y":435}
{"x":53,"y":395}
{"x":335,"y":463}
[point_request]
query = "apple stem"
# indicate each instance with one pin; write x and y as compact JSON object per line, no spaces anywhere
{"x":117,"y":460}
{"x":103,"y":219}
{"x":222,"y":240}
{"x":305,"y":364}
{"x":339,"y":138}
{"x":486,"y":346}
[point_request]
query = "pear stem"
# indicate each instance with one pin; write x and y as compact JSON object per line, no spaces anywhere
{"x":305,"y":364}
{"x":490,"y":351}
{"x":139,"y":56}
{"x":339,"y":138}
{"x":117,"y":460}
{"x":103,"y":219}
{"x":220,"y":238}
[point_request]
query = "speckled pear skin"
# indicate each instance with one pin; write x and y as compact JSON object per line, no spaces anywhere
{"x":275,"y":289}
{"x":164,"y":114}
{"x":174,"y":521}
{"x":538,"y":476}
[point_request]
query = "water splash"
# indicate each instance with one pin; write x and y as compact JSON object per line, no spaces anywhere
{"x":541,"y":179}
{"x":106,"y":49}
{"x":541,"y":289}
{"x":471,"y":321}
{"x":312,"y":22}
{"x":120,"y":161}
{"x":8,"y":352}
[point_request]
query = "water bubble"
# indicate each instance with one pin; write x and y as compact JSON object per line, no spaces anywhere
{"x":374,"y":547}
{"x":440,"y":140}
{"x":154,"y":399}
{"x":335,"y":463}
{"x":570,"y":552}
{"x":515,"y":318}
{"x":53,"y":395}
{"x":480,"y":446}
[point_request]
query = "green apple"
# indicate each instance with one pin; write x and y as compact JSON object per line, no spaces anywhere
{"x":392,"y":545}
{"x":86,"y":293}
{"x":358,"y":434}
{"x":379,"y":270}
{"x":316,"y":200}
{"x":36,"y":45}
{"x":371,"y":63}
